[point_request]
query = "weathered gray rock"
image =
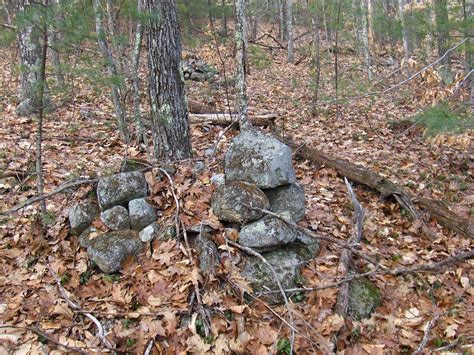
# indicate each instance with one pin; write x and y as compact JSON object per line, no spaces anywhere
{"x":81,"y":215}
{"x":228,"y":202}
{"x":120,"y":188}
{"x":287,"y":198}
{"x":199,"y":168}
{"x":267,"y":234}
{"x":364,"y":298}
{"x":260,"y":159}
{"x":286,"y":263}
{"x":218,"y":180}
{"x":306,"y":246}
{"x":110,"y":249}
{"x":150,"y":232}
{"x":116,"y":218}
{"x":141,"y":213}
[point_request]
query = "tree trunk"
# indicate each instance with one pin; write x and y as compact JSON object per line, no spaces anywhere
{"x":111,"y":68}
{"x":316,"y":60}
{"x":289,"y":18}
{"x":365,"y":37}
{"x":224,"y":19}
{"x":30,"y":55}
{"x":282,"y":22}
{"x":442,"y":29}
{"x":241,"y":53}
{"x":405,"y":34}
{"x":169,"y":114}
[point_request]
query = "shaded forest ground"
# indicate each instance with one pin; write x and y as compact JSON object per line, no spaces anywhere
{"x":150,"y":298}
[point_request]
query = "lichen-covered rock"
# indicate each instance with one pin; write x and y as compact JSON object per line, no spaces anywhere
{"x":228,"y":202}
{"x":81,"y":215}
{"x":116,"y":218}
{"x":218,"y":180}
{"x":110,"y":249}
{"x":287,"y":198}
{"x":267,"y":234}
{"x":141,"y":213}
{"x":260,"y":159}
{"x":285,"y":262}
{"x":307,"y":247}
{"x":364,"y":298}
{"x":120,"y":188}
{"x":150,"y":232}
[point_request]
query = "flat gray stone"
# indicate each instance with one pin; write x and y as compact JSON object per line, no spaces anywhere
{"x":150,"y":232}
{"x":267,"y":234}
{"x":110,"y":249}
{"x":120,"y":188}
{"x":259,"y":159}
{"x":229,"y":202}
{"x":287,"y":198}
{"x":141,"y":213}
{"x":116,"y":218}
{"x":81,"y":215}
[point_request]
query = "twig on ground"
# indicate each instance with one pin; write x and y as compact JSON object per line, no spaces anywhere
{"x":176,"y":200}
{"x":427,"y":331}
{"x":100,"y":329}
{"x":275,"y":277}
{"x":460,"y":340}
{"x":47,"y":337}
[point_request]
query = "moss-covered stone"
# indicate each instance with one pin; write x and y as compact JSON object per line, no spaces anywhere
{"x":364,"y":298}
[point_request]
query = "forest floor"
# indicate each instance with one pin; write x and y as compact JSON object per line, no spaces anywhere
{"x":149,"y":299}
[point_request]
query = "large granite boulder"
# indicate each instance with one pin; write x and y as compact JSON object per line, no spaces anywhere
{"x":260,"y":159}
{"x":287,"y":198}
{"x":229,"y":200}
{"x":267,"y":234}
{"x":116,"y":218}
{"x":110,"y":249}
{"x":364,"y":298}
{"x":286,"y":264}
{"x":141,"y":213}
{"x":81,"y":215}
{"x":120,"y":188}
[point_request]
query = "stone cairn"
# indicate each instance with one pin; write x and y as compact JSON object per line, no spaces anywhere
{"x":123,"y":208}
{"x":259,"y":173}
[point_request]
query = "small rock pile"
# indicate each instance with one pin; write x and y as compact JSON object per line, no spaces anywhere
{"x":121,"y":202}
{"x":259,"y":175}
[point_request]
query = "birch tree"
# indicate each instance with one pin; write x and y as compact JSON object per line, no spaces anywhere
{"x":240,"y":64}
{"x":169,"y":113}
{"x":289,"y":26}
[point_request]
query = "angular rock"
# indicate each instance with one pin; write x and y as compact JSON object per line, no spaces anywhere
{"x":286,"y":263}
{"x":141,"y":213}
{"x":228,"y":202}
{"x":110,"y":249}
{"x":81,"y":215}
{"x":364,"y":298}
{"x":218,"y":180}
{"x":150,"y":232}
{"x":120,"y":188}
{"x":116,"y":218}
{"x":306,"y":246}
{"x":260,"y":159}
{"x":267,"y":234}
{"x":287,"y":198}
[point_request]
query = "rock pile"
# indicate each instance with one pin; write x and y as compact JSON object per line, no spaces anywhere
{"x":259,"y":175}
{"x":121,"y":198}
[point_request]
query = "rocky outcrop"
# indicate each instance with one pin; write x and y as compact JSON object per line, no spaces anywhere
{"x":259,"y":159}
{"x":230,"y":201}
{"x":120,"y":188}
{"x":110,"y":249}
{"x":116,"y":218}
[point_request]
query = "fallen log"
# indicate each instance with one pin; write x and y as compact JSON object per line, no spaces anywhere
{"x":265,"y":120}
{"x":386,"y":188}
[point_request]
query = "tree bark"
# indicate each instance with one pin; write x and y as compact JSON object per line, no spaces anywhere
{"x":289,"y":26}
{"x":30,"y":56}
{"x":111,"y":68}
{"x":366,"y":37}
{"x":405,"y":34}
{"x":442,"y":29}
{"x":240,"y":63}
{"x":170,"y":124}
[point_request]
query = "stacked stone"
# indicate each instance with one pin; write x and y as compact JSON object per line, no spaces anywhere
{"x":121,"y":198}
{"x":259,"y":175}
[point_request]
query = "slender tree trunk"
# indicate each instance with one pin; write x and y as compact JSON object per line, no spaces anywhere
{"x":240,"y":64}
{"x":112,"y":70}
{"x":30,"y":55}
{"x":336,"y":55}
{"x":39,"y":130}
{"x":171,"y":134}
{"x":316,"y":58}
{"x":224,"y":19}
{"x":282,"y":27}
{"x":370,"y":24}
{"x":56,"y":37}
{"x":405,"y":35}
{"x":365,"y":37}
{"x":442,"y":29}
{"x":289,"y":16}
